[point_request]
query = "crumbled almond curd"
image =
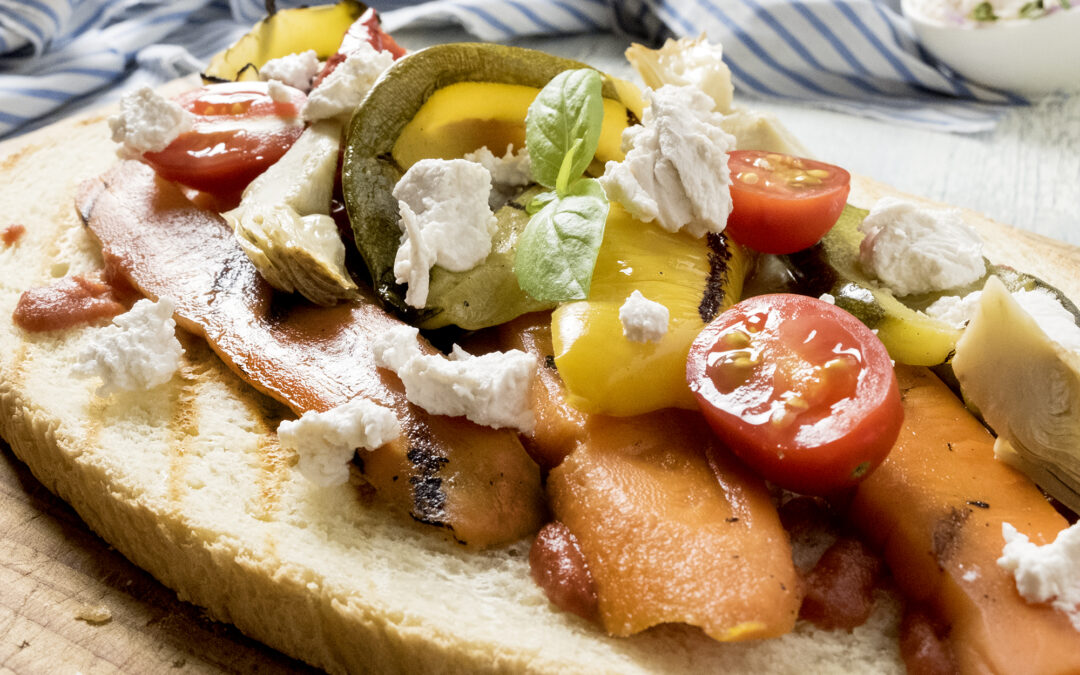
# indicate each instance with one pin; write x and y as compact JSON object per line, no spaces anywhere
{"x":1047,"y":573}
{"x":147,"y":122}
{"x":345,"y":87}
{"x":446,"y":221}
{"x":327,"y":440}
{"x":643,"y":320}
{"x":492,"y":390}
{"x":296,"y":70}
{"x":914,"y":249}
{"x":676,"y":167}
{"x":138,"y":351}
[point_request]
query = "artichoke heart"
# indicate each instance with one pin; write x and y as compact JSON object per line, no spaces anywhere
{"x":1026,"y":385}
{"x":295,"y":253}
{"x":694,"y":278}
{"x":697,"y":62}
{"x":282,"y":222}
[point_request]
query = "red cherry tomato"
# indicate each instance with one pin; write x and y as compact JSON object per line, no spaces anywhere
{"x":239,"y":132}
{"x":799,"y":389}
{"x":782,"y":204}
{"x":368,"y":28}
{"x":379,"y":38}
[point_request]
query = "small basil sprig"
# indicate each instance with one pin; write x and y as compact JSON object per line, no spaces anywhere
{"x":557,"y":250}
{"x":983,"y":11}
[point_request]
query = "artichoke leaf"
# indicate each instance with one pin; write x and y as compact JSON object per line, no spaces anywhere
{"x":283,"y":221}
{"x":1026,"y":386}
{"x":697,"y":62}
{"x":294,"y":253}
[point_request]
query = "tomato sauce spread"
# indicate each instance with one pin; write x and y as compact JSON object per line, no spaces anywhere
{"x":839,"y":590}
{"x":558,"y":567}
{"x":12,"y":234}
{"x":69,"y":302}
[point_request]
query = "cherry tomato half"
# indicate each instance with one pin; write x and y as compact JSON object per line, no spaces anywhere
{"x":782,"y":204}
{"x":799,"y":389}
{"x":239,"y":132}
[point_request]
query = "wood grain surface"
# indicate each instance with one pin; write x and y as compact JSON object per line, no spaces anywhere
{"x":53,"y":570}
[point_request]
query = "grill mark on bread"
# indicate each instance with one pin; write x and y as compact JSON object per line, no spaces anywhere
{"x":183,"y":425}
{"x":9,"y":162}
{"x":263,"y":411}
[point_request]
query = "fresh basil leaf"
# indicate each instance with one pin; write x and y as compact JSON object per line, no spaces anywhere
{"x":1032,"y":10}
{"x":568,"y":109}
{"x":983,"y":11}
{"x":566,"y":170}
{"x":557,"y":251}
{"x":539,"y":202}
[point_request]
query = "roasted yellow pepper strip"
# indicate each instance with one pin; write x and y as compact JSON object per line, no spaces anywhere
{"x":694,"y":278}
{"x":286,"y":32}
{"x":464,"y":116}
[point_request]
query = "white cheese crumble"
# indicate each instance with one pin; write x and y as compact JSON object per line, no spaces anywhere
{"x":279,"y":93}
{"x":1049,"y":573}
{"x":493,"y":389}
{"x":643,"y":320}
{"x":138,"y":351}
{"x":147,"y":122}
{"x":347,"y":84}
{"x":446,"y":221}
{"x":327,"y":440}
{"x":296,"y":70}
{"x":676,"y":166}
{"x":914,"y":249}
{"x":954,"y":310}
{"x":513,"y":168}
{"x":828,"y":297}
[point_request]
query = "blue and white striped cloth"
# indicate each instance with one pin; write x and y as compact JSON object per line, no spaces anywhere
{"x":854,"y":56}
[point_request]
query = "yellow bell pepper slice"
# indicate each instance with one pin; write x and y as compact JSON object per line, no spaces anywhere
{"x":695,"y":279}
{"x":464,"y":116}
{"x":288,"y":31}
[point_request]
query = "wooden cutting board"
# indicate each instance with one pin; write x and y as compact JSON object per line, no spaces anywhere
{"x":54,"y":570}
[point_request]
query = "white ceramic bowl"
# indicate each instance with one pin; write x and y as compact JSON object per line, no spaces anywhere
{"x":1032,"y":57}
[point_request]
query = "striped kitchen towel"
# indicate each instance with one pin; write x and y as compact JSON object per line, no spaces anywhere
{"x":57,"y":52}
{"x":855,"y":56}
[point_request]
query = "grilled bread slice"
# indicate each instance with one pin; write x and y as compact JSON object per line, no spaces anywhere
{"x":188,"y":482}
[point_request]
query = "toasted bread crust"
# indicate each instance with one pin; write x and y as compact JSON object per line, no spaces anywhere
{"x":188,"y":482}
